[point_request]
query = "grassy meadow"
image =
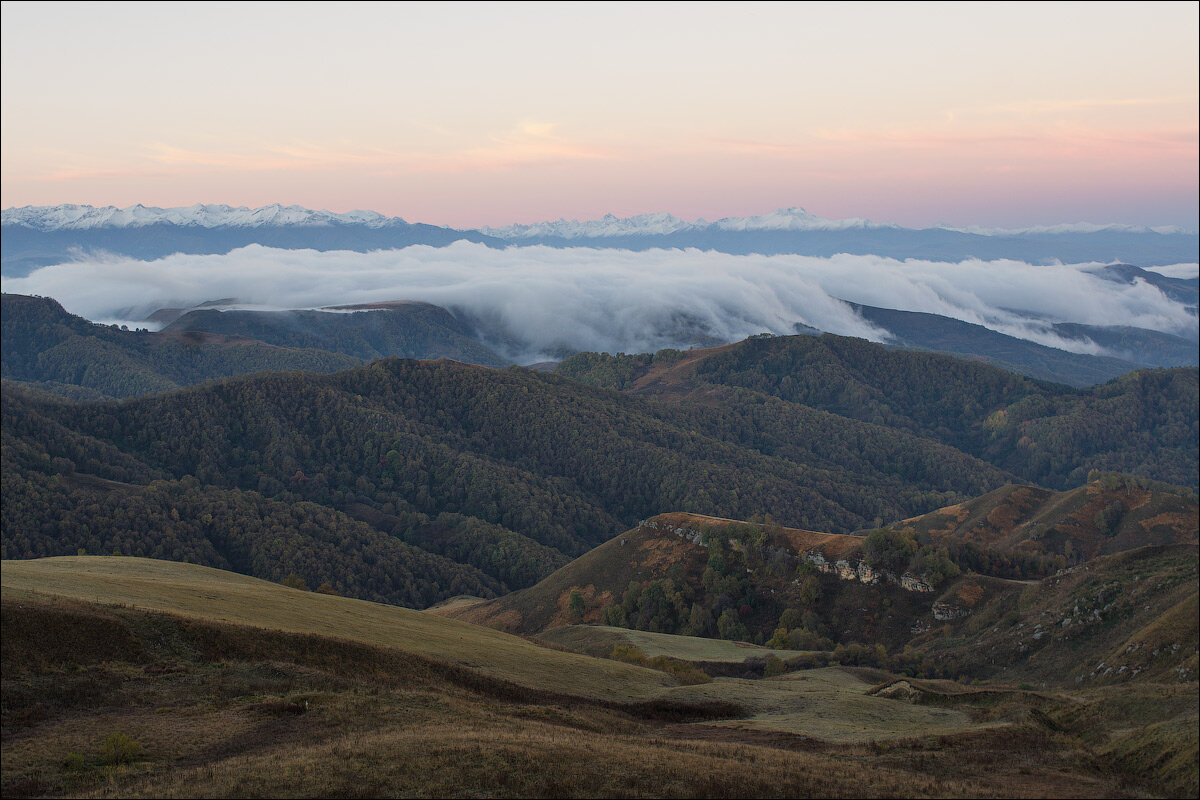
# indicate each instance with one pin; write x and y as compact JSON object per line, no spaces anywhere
{"x":133,"y":678}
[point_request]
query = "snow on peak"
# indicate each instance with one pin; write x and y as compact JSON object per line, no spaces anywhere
{"x":81,"y":217}
{"x":793,"y":219}
{"x":785,"y":219}
{"x":1066,"y":227}
{"x":608,"y":225}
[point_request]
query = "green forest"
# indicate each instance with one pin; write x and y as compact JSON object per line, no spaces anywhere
{"x":450,"y":478}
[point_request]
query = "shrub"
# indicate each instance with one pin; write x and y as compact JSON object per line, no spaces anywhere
{"x":779,"y":639}
{"x":629,"y":654}
{"x":805,"y":639}
{"x":773,"y":667}
{"x":294,"y":581}
{"x":119,"y":748}
{"x":681,"y":670}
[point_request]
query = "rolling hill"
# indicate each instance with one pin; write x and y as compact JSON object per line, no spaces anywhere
{"x":1142,"y":423}
{"x":156,"y":678}
{"x":44,"y":346}
{"x":1109,"y":515}
{"x":382,"y":330}
{"x":919,"y":585}
{"x":494,"y":479}
{"x":497,"y":469}
{"x":919,"y":331}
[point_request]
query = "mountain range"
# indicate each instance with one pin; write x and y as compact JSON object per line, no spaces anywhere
{"x":35,"y":236}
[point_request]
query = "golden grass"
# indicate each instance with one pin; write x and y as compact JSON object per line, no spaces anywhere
{"x":226,"y":710}
{"x":830,"y":704}
{"x":246,"y":688}
{"x":688,"y":648}
{"x":221,"y":596}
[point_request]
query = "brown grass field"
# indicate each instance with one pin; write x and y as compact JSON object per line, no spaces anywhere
{"x":132,"y":678}
{"x":596,"y":638}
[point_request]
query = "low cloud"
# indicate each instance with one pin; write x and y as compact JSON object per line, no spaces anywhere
{"x":538,"y":302}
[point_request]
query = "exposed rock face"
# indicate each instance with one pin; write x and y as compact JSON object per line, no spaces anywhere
{"x":914,"y":583}
{"x":690,"y":534}
{"x":843,"y":568}
{"x":945,"y":611}
{"x":864,"y":573}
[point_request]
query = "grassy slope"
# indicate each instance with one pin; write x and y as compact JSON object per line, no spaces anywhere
{"x":241,"y":707}
{"x":600,"y":640}
{"x":1039,"y":520}
{"x":226,"y":597}
{"x":1129,"y":617}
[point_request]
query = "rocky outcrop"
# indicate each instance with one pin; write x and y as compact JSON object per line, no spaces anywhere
{"x":865,"y":573}
{"x":844,"y":569}
{"x":944,"y":612}
{"x":691,"y":534}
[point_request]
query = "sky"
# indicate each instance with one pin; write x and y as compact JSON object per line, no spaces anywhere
{"x":994,"y":114}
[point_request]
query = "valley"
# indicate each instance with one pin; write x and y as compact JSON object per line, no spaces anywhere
{"x":880,"y":572}
{"x":350,"y":549}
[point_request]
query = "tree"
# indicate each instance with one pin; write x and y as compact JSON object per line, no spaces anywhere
{"x":810,"y":590}
{"x":730,"y":627}
{"x":576,"y":606}
{"x":773,"y":667}
{"x":791,"y":618}
{"x":779,"y":639}
{"x":294,"y":581}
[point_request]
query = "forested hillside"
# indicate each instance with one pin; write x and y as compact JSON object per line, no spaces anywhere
{"x":760,"y":582}
{"x":61,"y":353}
{"x":500,"y":476}
{"x":508,"y":472}
{"x":406,"y":330}
{"x":1143,"y":423}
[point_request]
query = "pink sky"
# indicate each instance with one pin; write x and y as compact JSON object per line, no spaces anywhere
{"x":987,"y":114}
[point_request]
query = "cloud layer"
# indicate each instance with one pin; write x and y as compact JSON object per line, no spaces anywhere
{"x":537,"y":302}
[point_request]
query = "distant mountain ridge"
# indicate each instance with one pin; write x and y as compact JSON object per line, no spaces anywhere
{"x":796,"y":231}
{"x":784,"y":219}
{"x":215,"y":215}
{"x":36,"y":236}
{"x":84,"y":217}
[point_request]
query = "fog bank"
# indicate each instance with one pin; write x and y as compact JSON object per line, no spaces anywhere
{"x":538,"y":302}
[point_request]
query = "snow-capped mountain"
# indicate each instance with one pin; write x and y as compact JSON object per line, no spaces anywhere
{"x":84,"y":217}
{"x":662,"y":224}
{"x":40,"y":236}
{"x":784,"y":219}
{"x":1068,"y":227}
{"x":796,"y":231}
{"x":608,"y":225}
{"x":794,"y":219}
